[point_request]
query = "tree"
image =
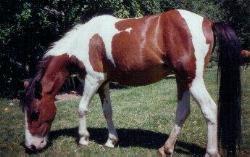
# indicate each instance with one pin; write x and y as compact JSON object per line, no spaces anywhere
{"x":27,"y":27}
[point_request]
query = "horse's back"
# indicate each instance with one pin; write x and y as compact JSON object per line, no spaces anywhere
{"x":137,"y":50}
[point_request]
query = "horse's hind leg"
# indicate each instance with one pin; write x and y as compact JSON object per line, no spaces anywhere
{"x":182,"y":112}
{"x":209,"y":110}
{"x":91,"y":85}
{"x":107,"y":111}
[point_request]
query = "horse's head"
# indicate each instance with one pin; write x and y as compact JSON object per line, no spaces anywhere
{"x":38,"y":101}
{"x":39,"y":110}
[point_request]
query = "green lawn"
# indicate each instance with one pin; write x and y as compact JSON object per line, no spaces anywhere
{"x":246,"y":109}
{"x":143,"y":116}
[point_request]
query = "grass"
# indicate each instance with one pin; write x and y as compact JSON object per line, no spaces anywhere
{"x":246,"y":109}
{"x":143,"y":116}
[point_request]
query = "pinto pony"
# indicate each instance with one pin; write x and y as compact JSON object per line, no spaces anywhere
{"x":140,"y":51}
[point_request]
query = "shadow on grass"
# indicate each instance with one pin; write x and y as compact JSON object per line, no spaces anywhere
{"x":131,"y":138}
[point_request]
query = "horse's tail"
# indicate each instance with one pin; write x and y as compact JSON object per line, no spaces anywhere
{"x":229,"y":118}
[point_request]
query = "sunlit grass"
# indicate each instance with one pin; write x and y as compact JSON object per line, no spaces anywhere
{"x":144,"y":117}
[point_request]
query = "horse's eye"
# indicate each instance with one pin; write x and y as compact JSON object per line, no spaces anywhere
{"x":34,"y":116}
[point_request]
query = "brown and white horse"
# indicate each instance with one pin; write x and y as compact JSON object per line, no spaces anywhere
{"x":137,"y":51}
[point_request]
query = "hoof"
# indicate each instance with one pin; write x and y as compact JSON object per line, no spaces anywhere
{"x":111,"y":143}
{"x":212,"y":155}
{"x":84,"y":141}
{"x":165,"y":152}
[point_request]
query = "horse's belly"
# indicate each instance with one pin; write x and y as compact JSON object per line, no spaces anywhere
{"x":139,"y":77}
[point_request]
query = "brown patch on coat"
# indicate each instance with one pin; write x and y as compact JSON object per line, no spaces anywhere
{"x":209,"y":35}
{"x":137,"y":55}
{"x":155,"y":45}
{"x":58,"y":71}
{"x":97,"y":53}
{"x":179,"y":47}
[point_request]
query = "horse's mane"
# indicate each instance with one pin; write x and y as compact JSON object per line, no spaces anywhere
{"x":34,"y":83}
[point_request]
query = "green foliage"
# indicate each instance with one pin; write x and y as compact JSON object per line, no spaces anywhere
{"x":238,"y":15}
{"x":27,"y":27}
{"x":205,"y":8}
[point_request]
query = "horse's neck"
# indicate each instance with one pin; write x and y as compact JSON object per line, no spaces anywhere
{"x":55,"y":75}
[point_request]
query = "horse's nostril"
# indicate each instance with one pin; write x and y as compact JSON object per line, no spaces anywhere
{"x":42,"y":141}
{"x":33,"y":147}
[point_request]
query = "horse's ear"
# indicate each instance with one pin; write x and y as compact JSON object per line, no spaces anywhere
{"x":38,"y":90}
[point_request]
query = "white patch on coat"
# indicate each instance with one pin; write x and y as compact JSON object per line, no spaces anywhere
{"x":128,"y":29}
{"x":194,"y":23}
{"x":76,"y":41}
{"x":198,"y":89}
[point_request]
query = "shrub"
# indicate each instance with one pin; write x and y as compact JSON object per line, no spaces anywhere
{"x":28,"y":28}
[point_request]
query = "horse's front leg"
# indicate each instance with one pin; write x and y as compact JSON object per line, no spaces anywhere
{"x":182,"y":112}
{"x":91,"y":85}
{"x":107,"y":111}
